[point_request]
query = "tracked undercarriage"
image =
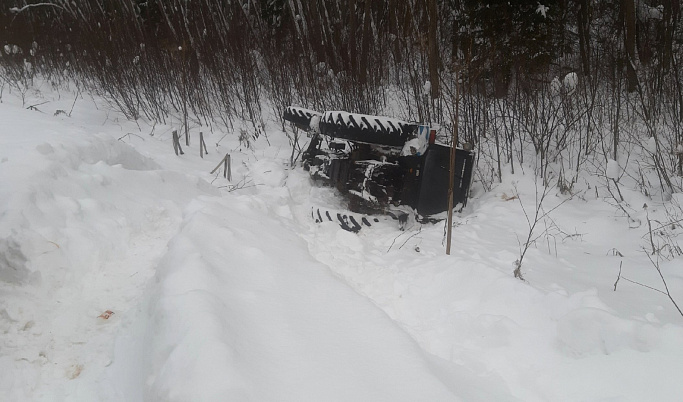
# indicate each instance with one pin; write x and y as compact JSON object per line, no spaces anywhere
{"x":382,"y":165}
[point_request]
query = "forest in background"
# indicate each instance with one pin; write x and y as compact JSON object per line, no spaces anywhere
{"x":571,"y":84}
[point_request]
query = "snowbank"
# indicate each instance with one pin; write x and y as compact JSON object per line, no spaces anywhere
{"x":563,"y":335}
{"x":242,"y":312}
{"x":229,"y":291}
{"x":83,"y":218}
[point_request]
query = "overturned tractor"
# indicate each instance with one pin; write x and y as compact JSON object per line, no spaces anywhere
{"x":382,"y":165}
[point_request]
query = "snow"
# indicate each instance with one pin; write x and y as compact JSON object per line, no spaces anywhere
{"x":646,"y":12}
{"x":418,"y":145}
{"x":411,"y":147}
{"x":570,"y":81}
{"x":567,"y":86}
{"x":315,"y":123}
{"x":273,"y":322}
{"x":427,"y":88}
{"x":542,"y":9}
{"x":555,"y":86}
{"x":229,"y":291}
{"x":612,"y":171}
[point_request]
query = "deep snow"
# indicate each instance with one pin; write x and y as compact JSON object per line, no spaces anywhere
{"x":239,"y":295}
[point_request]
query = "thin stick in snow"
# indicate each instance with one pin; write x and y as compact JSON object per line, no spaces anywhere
{"x":665,"y":292}
{"x":618,"y":276}
{"x":202,"y":145}
{"x":176,"y":143}
{"x":451,"y":171}
{"x":227,"y":168}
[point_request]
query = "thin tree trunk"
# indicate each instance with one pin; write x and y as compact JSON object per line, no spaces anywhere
{"x":394,"y":29}
{"x":629,"y":10}
{"x":352,"y":38}
{"x":672,"y":9}
{"x":365,"y":49}
{"x":584,"y":35}
{"x":433,"y":49}
{"x":451,"y":170}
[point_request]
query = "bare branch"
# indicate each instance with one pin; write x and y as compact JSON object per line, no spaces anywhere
{"x":666,"y":287}
{"x":17,"y":10}
{"x":618,"y":276}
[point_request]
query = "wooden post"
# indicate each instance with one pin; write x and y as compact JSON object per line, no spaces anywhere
{"x":629,"y":10}
{"x":451,"y":170}
{"x":183,"y":51}
{"x":202,"y":145}
{"x":227,"y":168}
{"x":176,"y":143}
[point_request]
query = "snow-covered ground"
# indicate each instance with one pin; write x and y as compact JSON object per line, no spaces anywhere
{"x":229,"y":291}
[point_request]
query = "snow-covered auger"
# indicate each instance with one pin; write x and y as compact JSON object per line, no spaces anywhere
{"x":382,"y":165}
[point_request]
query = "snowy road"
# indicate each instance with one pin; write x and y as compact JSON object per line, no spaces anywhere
{"x":243,"y":314}
{"x":238,"y":295}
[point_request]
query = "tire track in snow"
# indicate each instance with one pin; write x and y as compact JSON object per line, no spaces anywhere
{"x":90,"y":218}
{"x":242,"y":311}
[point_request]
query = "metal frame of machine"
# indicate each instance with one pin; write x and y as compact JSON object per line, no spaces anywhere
{"x":382,"y":165}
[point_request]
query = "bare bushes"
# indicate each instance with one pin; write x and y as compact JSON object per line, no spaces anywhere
{"x":206,"y":61}
{"x":17,"y":71}
{"x":153,"y":59}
